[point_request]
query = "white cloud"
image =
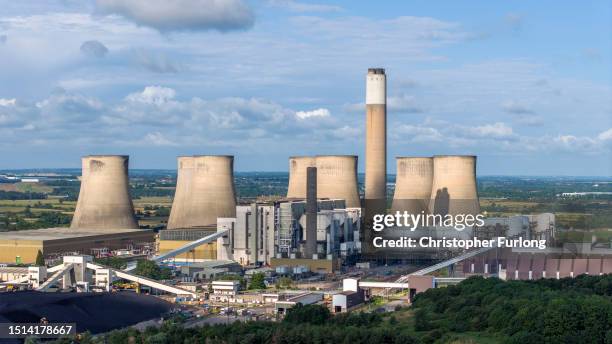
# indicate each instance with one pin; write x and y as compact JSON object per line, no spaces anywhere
{"x":412,"y":133}
{"x":496,"y":131}
{"x":174,"y":15}
{"x":322,"y":112}
{"x":606,"y":135}
{"x":152,"y":95}
{"x":7,"y":102}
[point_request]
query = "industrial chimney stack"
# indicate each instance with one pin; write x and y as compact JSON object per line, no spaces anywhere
{"x":204,"y":191}
{"x":376,"y":135}
{"x":104,"y":199}
{"x":310,"y":248}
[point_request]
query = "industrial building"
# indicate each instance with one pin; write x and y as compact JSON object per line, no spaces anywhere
{"x":103,"y":219}
{"x":274,"y":233}
{"x":350,"y":297}
{"x":172,"y":239}
{"x":536,"y":226}
{"x":23,"y":246}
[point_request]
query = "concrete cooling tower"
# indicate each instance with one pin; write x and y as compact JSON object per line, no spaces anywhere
{"x":297,"y":175}
{"x":337,"y":178}
{"x":453,"y":190}
{"x":104,"y":199}
{"x":413,"y":183}
{"x":376,"y":135}
{"x":204,"y":191}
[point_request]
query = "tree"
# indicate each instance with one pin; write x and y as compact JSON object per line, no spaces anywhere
{"x":258,"y":281}
{"x":310,"y":314}
{"x":150,"y":269}
{"x":40,"y":259}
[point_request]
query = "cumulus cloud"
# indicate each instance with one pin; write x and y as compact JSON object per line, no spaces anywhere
{"x":322,"y":112}
{"x":176,"y":15}
{"x":156,"y":116}
{"x":152,"y":95}
{"x":497,"y":131}
{"x":7,"y":102}
{"x":606,"y":135}
{"x":296,"y":6}
{"x":94,"y":48}
{"x":418,"y":133}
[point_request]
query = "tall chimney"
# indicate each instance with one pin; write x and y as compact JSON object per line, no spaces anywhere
{"x":311,"y":212}
{"x":104,"y":199}
{"x":376,"y":135}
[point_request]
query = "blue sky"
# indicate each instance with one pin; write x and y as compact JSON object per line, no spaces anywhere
{"x":526,"y":86}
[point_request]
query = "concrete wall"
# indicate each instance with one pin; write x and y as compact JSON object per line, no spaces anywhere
{"x":104,"y":199}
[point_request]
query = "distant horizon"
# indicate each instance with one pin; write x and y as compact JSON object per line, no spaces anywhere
{"x":360,"y":173}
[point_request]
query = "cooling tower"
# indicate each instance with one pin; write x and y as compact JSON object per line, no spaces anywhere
{"x":453,"y":190}
{"x":204,"y":191}
{"x":376,"y":135}
{"x":337,"y":178}
{"x":413,"y":185}
{"x":104,"y":199}
{"x":297,"y":175}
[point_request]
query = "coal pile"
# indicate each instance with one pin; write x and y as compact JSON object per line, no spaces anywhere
{"x":93,"y":312}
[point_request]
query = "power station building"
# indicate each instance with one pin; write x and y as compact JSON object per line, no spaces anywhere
{"x":275,"y":234}
{"x":104,"y":217}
